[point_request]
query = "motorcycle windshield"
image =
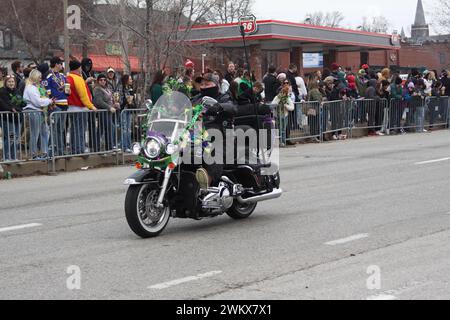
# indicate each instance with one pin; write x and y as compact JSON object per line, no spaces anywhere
{"x":173,"y":106}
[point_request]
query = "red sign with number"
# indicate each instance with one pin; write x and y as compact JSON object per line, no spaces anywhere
{"x":249,"y":24}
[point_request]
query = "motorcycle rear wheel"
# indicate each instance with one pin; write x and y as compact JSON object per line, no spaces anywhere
{"x":141,"y":213}
{"x":241,"y":211}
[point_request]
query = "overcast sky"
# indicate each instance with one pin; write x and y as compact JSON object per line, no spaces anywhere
{"x":398,"y":12}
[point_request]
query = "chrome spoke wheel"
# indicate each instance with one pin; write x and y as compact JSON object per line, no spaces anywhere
{"x":147,"y":219}
{"x":149,"y":214}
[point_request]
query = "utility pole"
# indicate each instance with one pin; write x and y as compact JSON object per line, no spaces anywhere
{"x":66,"y":38}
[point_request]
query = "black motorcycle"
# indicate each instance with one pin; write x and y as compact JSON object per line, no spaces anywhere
{"x":172,"y":152}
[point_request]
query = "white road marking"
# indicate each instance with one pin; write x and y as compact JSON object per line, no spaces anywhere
{"x":348,"y":239}
{"x":23,"y":226}
{"x":431,"y":161}
{"x":172,"y":283}
{"x":382,"y":297}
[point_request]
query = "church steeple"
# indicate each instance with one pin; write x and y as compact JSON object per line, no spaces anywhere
{"x":420,"y":15}
{"x":420,"y":28}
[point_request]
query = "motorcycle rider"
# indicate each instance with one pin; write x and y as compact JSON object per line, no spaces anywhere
{"x":210,"y":174}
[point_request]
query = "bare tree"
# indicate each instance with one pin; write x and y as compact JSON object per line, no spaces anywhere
{"x":34,"y":22}
{"x":328,"y":19}
{"x":375,"y":24}
{"x":228,"y":11}
{"x":40,"y":25}
{"x":161,"y":28}
{"x":442,"y":14}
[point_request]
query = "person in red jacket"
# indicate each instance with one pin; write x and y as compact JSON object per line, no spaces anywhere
{"x":80,"y":101}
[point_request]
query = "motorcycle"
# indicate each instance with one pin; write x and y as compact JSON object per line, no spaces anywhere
{"x":165,"y":185}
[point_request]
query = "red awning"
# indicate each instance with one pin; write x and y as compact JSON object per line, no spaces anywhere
{"x":102,"y":62}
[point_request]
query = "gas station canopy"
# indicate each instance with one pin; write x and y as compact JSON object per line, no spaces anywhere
{"x":280,"y":35}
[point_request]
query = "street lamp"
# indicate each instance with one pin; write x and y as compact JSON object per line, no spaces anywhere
{"x":203,"y":62}
{"x":66,"y":37}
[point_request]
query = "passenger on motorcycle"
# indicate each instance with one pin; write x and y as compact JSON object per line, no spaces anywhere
{"x":210,"y":174}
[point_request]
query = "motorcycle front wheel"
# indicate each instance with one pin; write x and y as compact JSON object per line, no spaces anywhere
{"x":143,"y":216}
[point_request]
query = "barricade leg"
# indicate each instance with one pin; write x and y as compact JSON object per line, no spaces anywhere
{"x":126,"y":131}
{"x":7,"y":132}
{"x":94,"y":138}
{"x":60,"y":133}
{"x":35,"y":132}
{"x":44,"y":136}
{"x":78,"y":130}
{"x":420,"y":119}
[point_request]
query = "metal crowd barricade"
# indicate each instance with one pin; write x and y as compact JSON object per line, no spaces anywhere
{"x":436,"y":112}
{"x":11,"y":125}
{"x":336,"y":116}
{"x":82,"y":133}
{"x":370,"y":114}
{"x":24,"y":136}
{"x":445,"y":109}
{"x":407,"y":115}
{"x":304,"y":122}
{"x":131,"y":128}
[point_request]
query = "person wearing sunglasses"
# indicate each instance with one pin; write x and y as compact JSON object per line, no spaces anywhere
{"x":103,"y":100}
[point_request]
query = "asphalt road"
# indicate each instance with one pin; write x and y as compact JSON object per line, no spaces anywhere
{"x":359,"y":219}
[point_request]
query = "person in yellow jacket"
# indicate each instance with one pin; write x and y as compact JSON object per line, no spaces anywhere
{"x":80,"y":100}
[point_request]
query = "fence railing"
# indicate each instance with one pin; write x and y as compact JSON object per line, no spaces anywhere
{"x":34,"y":135}
{"x":314,"y":119}
{"x":131,"y":126}
{"x":23,"y":136}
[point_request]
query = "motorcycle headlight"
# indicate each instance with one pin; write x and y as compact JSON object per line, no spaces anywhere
{"x":171,"y":149}
{"x":152,"y":148}
{"x":136,"y":149}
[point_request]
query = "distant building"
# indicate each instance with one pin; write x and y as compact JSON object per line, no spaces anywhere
{"x":280,"y":43}
{"x":421,"y":50}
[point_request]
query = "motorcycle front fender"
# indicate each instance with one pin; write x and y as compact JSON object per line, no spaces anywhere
{"x":144,"y":176}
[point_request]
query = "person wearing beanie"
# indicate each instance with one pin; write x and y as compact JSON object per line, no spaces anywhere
{"x":361,"y":82}
{"x":89,"y":77}
{"x":366,"y":68}
{"x":189,"y":64}
{"x":353,"y":89}
{"x":281,"y":77}
{"x":334,"y":67}
{"x":245,"y":90}
{"x":86,"y":72}
{"x":43,"y":69}
{"x":396,"y":93}
{"x":79,"y":101}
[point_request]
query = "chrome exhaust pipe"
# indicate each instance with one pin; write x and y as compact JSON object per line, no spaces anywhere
{"x":269,"y":196}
